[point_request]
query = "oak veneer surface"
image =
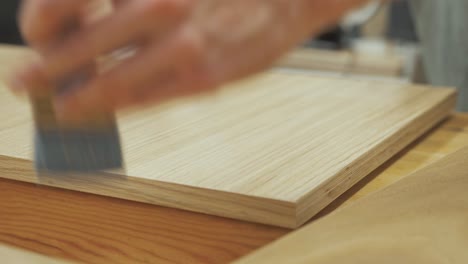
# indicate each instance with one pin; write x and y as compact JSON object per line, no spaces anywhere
{"x":421,"y":219}
{"x":9,"y":255}
{"x":273,"y":149}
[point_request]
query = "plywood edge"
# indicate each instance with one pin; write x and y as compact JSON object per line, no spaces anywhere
{"x":218,"y":203}
{"x":316,"y":200}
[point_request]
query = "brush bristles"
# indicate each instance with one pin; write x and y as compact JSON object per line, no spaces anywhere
{"x":76,"y":151}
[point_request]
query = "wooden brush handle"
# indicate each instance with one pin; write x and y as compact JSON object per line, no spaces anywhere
{"x":45,"y":115}
{"x":42,"y":104}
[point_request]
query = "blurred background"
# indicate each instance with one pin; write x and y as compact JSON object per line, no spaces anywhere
{"x":9,"y":32}
{"x":376,"y":30}
{"x":378,"y":41}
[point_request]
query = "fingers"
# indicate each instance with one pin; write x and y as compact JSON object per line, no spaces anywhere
{"x":132,"y":21}
{"x":195,"y":81}
{"x":41,"y":21}
{"x":176,"y":58}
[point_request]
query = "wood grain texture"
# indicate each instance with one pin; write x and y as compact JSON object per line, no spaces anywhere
{"x":111,"y":225}
{"x":420,"y":219}
{"x":440,"y":141}
{"x":344,"y":62}
{"x":10,"y":255}
{"x":216,"y":154}
{"x":91,"y":229}
{"x":96,"y":229}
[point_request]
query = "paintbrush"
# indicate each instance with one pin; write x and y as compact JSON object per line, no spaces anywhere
{"x":87,"y":145}
{"x":61,"y":145}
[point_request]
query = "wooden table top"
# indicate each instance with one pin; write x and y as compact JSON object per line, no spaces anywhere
{"x":94,"y":229}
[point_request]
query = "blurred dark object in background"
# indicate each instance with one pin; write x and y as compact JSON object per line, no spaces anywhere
{"x":9,"y":32}
{"x":400,"y":22}
{"x":397,"y":26}
{"x":342,"y":34}
{"x":331,"y":39}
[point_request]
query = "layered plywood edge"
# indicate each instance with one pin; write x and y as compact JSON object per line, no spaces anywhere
{"x":273,"y":149}
{"x":420,"y":219}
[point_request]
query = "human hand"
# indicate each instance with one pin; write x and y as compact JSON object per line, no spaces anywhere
{"x":182,"y":47}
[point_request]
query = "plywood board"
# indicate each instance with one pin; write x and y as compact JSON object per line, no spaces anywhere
{"x":420,"y":219}
{"x":273,"y":149}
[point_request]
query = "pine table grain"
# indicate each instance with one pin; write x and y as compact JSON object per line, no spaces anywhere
{"x":420,"y":219}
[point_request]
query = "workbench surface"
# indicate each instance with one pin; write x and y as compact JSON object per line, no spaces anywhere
{"x":95,"y":229}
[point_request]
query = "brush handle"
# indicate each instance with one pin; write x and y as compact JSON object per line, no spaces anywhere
{"x":44,"y":112}
{"x":46,"y":117}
